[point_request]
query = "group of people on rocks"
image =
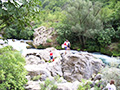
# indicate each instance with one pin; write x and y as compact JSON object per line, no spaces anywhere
{"x":65,"y":45}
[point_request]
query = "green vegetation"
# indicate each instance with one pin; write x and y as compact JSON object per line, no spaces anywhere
{"x":94,"y":25}
{"x":35,"y":78}
{"x":15,"y":16}
{"x":49,"y":40}
{"x":91,"y":25}
{"x":12,"y":71}
{"x":50,"y":84}
{"x":85,"y":85}
{"x":82,"y":21}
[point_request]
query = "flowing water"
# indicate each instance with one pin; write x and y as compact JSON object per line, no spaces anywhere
{"x":20,"y":45}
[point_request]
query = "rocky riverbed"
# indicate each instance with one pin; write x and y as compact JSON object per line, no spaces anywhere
{"x":70,"y":67}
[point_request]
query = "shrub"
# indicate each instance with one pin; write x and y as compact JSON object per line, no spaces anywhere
{"x":26,"y":34}
{"x":35,"y":78}
{"x":17,"y":33}
{"x":84,"y":85}
{"x":40,"y":47}
{"x":49,"y":40}
{"x":12,"y":71}
{"x":48,"y":85}
{"x":58,"y":47}
{"x":5,"y":49}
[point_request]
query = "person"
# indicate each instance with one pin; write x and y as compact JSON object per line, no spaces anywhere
{"x":51,"y":56}
{"x":66,"y":45}
{"x":110,"y":86}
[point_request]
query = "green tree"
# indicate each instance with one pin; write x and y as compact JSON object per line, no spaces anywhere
{"x":52,"y":13}
{"x":82,"y":20}
{"x":18,"y":13}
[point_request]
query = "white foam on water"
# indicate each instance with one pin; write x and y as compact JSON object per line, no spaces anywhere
{"x":21,"y":46}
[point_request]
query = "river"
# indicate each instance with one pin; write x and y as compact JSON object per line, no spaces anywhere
{"x":20,"y":45}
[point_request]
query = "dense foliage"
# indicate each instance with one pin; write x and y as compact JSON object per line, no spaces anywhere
{"x":91,"y":25}
{"x":16,"y":15}
{"x":82,"y":21}
{"x":94,"y":28}
{"x":12,"y":71}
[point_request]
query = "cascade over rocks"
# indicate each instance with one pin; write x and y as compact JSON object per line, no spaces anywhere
{"x":72,"y":67}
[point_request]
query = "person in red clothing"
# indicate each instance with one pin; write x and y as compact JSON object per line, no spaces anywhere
{"x":66,"y":45}
{"x":51,"y":56}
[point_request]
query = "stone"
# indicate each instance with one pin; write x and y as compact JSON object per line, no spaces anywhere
{"x":70,"y":67}
{"x":31,"y":59}
{"x":43,"y":35}
{"x":32,"y":85}
{"x":77,"y":66}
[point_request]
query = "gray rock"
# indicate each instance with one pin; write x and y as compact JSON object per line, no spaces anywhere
{"x":41,"y":36}
{"x":31,"y":59}
{"x":32,"y":85}
{"x":77,"y":66}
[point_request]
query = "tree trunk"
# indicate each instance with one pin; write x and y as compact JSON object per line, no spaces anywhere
{"x":83,"y":42}
{"x":80,"y":39}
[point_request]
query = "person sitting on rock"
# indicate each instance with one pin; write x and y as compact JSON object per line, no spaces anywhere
{"x":110,"y":86}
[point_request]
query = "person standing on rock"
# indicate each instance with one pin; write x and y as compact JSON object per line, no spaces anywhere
{"x":66,"y":45}
{"x":51,"y":56}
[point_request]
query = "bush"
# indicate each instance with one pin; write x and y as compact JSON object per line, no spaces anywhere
{"x":49,"y":40}
{"x":26,"y":34}
{"x":12,"y":71}
{"x":17,"y":33}
{"x":105,"y":51}
{"x":35,"y":78}
{"x":5,"y":49}
{"x":92,"y":46}
{"x":48,"y":85}
{"x":84,"y":85}
{"x":40,"y":47}
{"x":58,"y":47}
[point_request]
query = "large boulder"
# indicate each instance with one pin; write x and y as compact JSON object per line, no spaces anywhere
{"x":78,"y":66}
{"x":35,"y":63}
{"x":35,"y":70}
{"x":34,"y":60}
{"x":44,"y":37}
